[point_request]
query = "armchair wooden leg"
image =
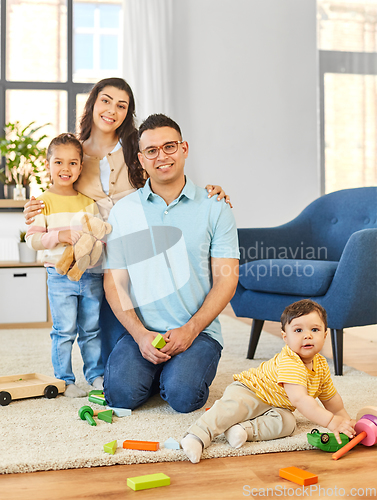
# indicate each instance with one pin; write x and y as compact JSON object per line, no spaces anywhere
{"x":256,"y":329}
{"x":337,"y":350}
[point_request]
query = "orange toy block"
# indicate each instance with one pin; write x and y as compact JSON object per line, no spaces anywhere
{"x":141,"y":445}
{"x":299,"y":476}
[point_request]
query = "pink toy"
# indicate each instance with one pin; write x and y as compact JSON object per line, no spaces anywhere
{"x":366,"y":431}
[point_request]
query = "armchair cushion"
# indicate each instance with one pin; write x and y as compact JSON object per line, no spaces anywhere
{"x":306,"y":278}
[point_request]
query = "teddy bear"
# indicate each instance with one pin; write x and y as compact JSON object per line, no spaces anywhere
{"x":86,"y":251}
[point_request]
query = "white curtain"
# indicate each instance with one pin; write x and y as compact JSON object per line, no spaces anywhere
{"x":148,"y":54}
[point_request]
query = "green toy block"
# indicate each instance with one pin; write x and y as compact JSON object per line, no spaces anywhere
{"x":110,"y":447}
{"x":158,"y":342}
{"x":96,"y":392}
{"x":96,"y":399}
{"x":86,"y":413}
{"x":149,"y":481}
{"x":106,"y":416}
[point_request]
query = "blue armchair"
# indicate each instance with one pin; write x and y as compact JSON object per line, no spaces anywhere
{"x":328,"y":253}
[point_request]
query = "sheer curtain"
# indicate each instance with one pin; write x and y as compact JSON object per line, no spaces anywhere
{"x":148,"y":54}
{"x":347,"y":42}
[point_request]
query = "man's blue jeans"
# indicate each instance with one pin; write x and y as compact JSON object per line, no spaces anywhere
{"x":111,"y":330}
{"x":183,"y":381}
{"x":75,"y":307}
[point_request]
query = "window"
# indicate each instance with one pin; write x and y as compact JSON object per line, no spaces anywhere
{"x":97,"y":35}
{"x":347,"y":38}
{"x":51,"y":53}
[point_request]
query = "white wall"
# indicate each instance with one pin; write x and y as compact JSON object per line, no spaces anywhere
{"x":11,"y":224}
{"x":245,"y":95}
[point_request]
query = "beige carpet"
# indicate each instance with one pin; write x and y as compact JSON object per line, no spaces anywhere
{"x":41,"y":434}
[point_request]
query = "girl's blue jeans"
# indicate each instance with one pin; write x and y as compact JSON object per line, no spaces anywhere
{"x":183,"y":381}
{"x":75,"y":308}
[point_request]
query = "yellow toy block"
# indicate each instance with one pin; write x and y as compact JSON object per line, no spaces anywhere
{"x":148,"y":481}
{"x":158,"y":342}
{"x":110,"y":447}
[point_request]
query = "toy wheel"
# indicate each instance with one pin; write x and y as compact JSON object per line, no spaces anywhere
{"x":5,"y":398}
{"x":325,"y":438}
{"x":51,"y":391}
{"x":314,"y":431}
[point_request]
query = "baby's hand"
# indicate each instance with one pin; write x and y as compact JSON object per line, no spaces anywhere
{"x":68,"y":236}
{"x":340,"y":424}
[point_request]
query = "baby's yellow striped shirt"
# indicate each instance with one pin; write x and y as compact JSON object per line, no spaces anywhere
{"x":287,"y":367}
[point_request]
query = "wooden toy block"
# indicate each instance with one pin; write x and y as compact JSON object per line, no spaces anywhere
{"x":97,"y":400}
{"x":148,"y":481}
{"x":100,"y":410}
{"x":367,"y":410}
{"x":141,"y":445}
{"x":95,"y":392}
{"x":298,"y":476}
{"x":106,"y":416}
{"x":120,"y":412}
{"x":110,"y":447}
{"x":172,"y":444}
{"x":158,"y":342}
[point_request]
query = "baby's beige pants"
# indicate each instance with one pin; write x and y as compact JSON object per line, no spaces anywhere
{"x":240,"y":405}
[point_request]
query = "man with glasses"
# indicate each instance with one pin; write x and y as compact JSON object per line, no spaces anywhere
{"x":172,"y":261}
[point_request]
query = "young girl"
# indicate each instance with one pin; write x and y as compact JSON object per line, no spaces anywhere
{"x":75,"y":305}
{"x":111,"y":167}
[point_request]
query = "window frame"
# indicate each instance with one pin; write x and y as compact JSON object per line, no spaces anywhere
{"x":332,"y":61}
{"x":72,"y":88}
{"x":97,"y":31}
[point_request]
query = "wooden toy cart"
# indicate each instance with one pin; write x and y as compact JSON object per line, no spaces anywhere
{"x":29,"y":385}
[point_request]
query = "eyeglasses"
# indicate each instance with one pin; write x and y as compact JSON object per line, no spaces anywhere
{"x":168,"y":148}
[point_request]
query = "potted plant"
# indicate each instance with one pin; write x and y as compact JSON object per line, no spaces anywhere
{"x":24,"y":159}
{"x":26,"y":254}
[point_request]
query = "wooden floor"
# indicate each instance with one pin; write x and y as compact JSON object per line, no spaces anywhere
{"x":218,"y":478}
{"x":223,"y":478}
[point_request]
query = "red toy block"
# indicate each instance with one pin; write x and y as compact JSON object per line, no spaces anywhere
{"x":299,"y":476}
{"x":141,"y":445}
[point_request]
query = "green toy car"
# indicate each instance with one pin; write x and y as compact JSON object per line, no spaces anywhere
{"x":326,"y":441}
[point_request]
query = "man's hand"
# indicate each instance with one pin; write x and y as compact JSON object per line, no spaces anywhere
{"x":149,"y":352}
{"x":178,"y":340}
{"x":68,"y":236}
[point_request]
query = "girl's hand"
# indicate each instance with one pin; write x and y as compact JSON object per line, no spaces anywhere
{"x":31,"y":209}
{"x":68,"y":236}
{"x":212,"y":190}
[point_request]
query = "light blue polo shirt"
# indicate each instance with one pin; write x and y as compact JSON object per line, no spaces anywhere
{"x":167,"y":250}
